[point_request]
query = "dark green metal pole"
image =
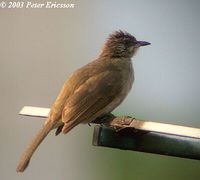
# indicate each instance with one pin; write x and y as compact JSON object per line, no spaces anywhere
{"x":151,"y":142}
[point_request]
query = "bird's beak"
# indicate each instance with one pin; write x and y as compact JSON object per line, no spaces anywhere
{"x":142,"y":43}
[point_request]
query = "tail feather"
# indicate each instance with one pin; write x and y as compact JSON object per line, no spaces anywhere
{"x":26,"y":156}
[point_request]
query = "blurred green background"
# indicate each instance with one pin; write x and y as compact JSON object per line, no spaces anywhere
{"x":40,"y":48}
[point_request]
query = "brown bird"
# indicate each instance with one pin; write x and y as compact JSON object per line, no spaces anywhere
{"x":92,"y":91}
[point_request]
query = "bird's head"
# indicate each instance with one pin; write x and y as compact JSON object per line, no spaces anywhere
{"x":122,"y":44}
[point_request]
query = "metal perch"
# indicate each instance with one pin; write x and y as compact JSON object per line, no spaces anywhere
{"x":132,"y":134}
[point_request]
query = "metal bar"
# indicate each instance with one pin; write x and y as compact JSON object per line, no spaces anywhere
{"x":123,"y":122}
{"x":34,"y":111}
{"x":150,"y":142}
{"x":138,"y":135}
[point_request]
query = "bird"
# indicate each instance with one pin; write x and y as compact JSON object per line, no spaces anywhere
{"x":92,"y":91}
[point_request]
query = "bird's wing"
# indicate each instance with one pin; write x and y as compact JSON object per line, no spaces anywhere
{"x":77,"y":79}
{"x":90,"y":98}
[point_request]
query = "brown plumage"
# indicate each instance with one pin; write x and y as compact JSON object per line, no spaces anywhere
{"x":92,"y":91}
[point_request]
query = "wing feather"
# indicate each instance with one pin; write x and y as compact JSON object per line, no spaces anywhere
{"x":89,"y":100}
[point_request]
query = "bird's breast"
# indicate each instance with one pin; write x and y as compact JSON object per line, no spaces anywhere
{"x":127,"y":82}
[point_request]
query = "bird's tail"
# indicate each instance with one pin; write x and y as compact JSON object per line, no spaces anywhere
{"x":26,"y":156}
